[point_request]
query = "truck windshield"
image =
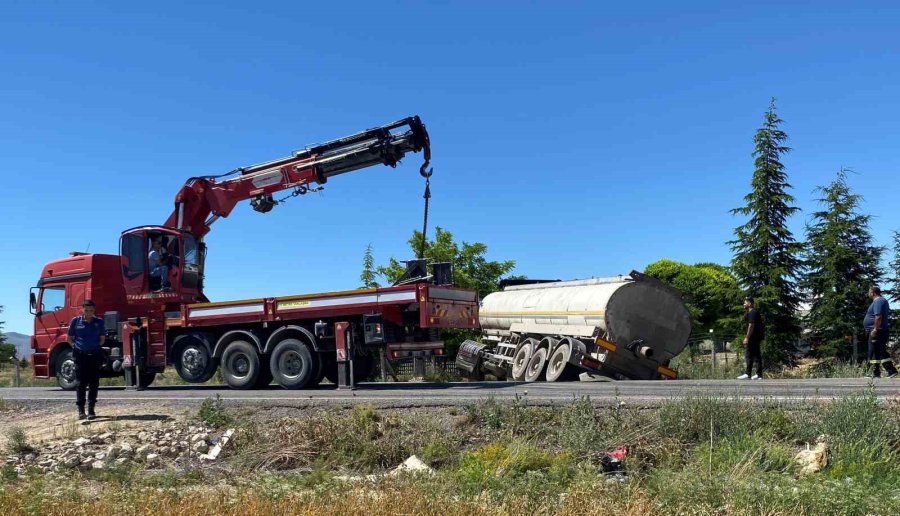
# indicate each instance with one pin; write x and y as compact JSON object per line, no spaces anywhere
{"x":53,"y":298}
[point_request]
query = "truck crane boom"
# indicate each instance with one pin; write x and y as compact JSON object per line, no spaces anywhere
{"x":204,"y":199}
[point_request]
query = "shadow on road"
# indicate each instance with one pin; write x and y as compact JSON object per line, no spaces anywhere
{"x":369,"y":386}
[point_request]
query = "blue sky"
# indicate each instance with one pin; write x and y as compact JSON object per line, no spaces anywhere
{"x":577,"y":138}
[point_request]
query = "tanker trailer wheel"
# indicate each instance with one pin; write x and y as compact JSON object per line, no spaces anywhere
{"x":536,"y":365}
{"x":240,"y":365}
{"x":558,"y":367}
{"x":521,"y":357}
{"x":193,"y":362}
{"x":65,"y":370}
{"x":293,"y":365}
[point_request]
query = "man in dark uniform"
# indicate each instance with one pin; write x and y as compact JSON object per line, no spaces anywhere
{"x":756,"y":331}
{"x":86,"y":334}
{"x":876,"y":324}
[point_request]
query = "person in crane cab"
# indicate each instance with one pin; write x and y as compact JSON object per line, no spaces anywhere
{"x":159,"y":263}
{"x":86,"y":336}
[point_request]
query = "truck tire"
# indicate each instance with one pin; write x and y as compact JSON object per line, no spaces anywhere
{"x":292,"y":364}
{"x":240,"y":365}
{"x":265,"y":374}
{"x":558,"y":367}
{"x":521,"y":357}
{"x":194,"y":363}
{"x":536,"y":365}
{"x":65,"y":370}
{"x":147,"y":378}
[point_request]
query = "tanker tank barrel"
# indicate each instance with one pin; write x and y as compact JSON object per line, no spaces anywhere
{"x":627,"y":327}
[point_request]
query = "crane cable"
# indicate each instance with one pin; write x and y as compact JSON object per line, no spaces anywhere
{"x":427,"y":196}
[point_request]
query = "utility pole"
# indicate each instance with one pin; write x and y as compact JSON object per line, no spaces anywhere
{"x":712,"y":334}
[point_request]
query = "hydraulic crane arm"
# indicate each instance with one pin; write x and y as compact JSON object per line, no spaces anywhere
{"x":204,"y":199}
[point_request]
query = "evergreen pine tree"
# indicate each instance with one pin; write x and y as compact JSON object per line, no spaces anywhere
{"x":766,"y":256}
{"x":841,"y":264}
{"x":367,"y":276}
{"x":892,"y":281}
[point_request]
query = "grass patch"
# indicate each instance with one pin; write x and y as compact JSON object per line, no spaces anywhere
{"x":17,"y":441}
{"x":516,"y":459}
{"x":212,"y":412}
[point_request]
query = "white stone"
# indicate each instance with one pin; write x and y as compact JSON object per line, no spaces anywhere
{"x":98,"y":464}
{"x":81,"y":441}
{"x":412,"y":465}
{"x":145,"y":449}
{"x":200,"y":447}
{"x":121,"y":460}
{"x":100,"y":456}
{"x":151,"y":457}
{"x":199,"y":437}
{"x":71,"y":462}
{"x":105,"y":436}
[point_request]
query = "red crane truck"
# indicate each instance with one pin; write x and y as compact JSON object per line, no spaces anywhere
{"x":156,"y":318}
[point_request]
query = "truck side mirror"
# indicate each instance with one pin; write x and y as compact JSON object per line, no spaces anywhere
{"x":33,"y":300}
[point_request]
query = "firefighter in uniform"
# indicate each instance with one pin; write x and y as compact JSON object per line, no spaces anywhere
{"x":876,"y":325}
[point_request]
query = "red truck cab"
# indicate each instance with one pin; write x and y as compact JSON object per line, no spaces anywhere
{"x":61,"y":289}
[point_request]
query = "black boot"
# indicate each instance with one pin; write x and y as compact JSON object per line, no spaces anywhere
{"x":91,"y":415}
{"x":81,"y":412}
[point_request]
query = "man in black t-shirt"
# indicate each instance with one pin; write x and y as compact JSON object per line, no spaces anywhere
{"x":756,"y":332}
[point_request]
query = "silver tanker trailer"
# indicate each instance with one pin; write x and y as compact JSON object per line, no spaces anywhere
{"x":622,"y":327}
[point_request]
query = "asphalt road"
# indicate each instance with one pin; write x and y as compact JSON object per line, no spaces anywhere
{"x":445,"y":394}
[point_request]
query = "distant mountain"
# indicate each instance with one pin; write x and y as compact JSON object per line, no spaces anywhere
{"x":22,"y":342}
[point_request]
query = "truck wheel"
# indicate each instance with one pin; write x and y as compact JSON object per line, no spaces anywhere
{"x":194,"y":364}
{"x":147,"y":378}
{"x":521,"y":357}
{"x":65,"y":370}
{"x":558,"y":367}
{"x":265,"y":374}
{"x":536,"y":365}
{"x":240,"y":365}
{"x":292,"y":364}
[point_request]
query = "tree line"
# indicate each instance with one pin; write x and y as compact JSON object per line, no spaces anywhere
{"x":819,"y":284}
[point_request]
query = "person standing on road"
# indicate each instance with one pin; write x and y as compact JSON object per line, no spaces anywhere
{"x":756,"y":332}
{"x":86,"y":336}
{"x":876,"y":324}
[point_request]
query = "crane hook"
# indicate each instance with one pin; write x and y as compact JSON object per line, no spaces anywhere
{"x":422,"y":170}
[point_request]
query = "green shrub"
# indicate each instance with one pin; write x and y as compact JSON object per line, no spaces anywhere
{"x":212,"y":412}
{"x":17,"y":441}
{"x":498,"y":464}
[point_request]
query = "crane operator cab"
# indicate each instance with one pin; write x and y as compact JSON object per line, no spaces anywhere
{"x":162,"y":263}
